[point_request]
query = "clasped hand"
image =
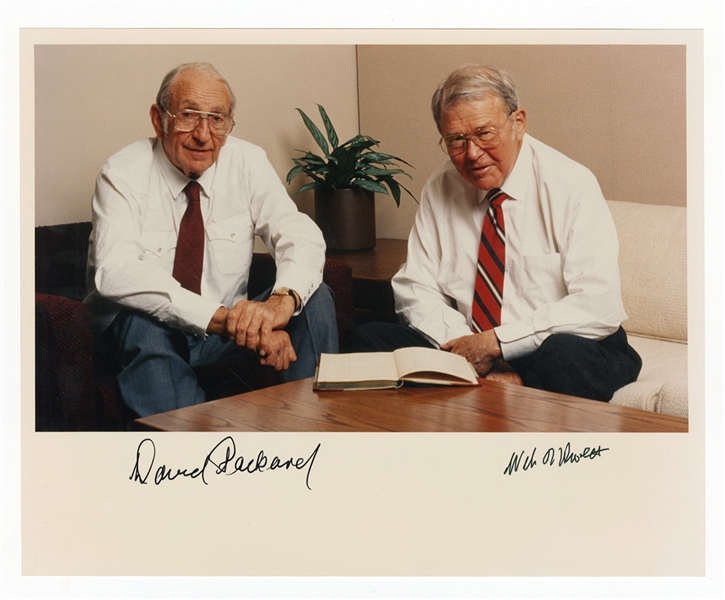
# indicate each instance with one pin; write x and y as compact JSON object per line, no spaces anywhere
{"x":482,"y":350}
{"x":258,"y":327}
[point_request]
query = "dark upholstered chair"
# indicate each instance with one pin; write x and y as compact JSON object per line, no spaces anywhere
{"x":75,"y":378}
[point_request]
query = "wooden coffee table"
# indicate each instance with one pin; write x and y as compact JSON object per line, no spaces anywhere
{"x":490,"y":407}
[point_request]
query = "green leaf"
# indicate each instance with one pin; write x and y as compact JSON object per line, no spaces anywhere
{"x":313,"y":159}
{"x":308,"y":186}
{"x":360,"y":141}
{"x":362,"y":145}
{"x":394,"y":190}
{"x":370,"y":186}
{"x":391,"y":157}
{"x":376,"y":157}
{"x":409,"y":193}
{"x":316,"y":133}
{"x":294,"y":172}
{"x":331,"y":133}
{"x":367,"y":138}
{"x":368,"y":170}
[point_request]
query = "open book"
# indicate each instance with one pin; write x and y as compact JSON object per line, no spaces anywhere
{"x":383,"y":370}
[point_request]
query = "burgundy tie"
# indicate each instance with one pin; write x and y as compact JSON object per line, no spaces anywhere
{"x":488,"y":294}
{"x":189,"y":258}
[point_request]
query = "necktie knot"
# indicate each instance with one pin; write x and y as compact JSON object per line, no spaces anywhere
{"x":192,"y":191}
{"x":496,"y":197}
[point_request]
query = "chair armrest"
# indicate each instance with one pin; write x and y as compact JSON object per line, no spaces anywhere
{"x":338,"y":276}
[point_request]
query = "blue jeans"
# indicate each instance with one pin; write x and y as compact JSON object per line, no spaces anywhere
{"x":157,"y":360}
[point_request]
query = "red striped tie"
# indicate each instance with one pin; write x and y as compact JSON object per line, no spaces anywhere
{"x":189,"y":259}
{"x":488,"y":294}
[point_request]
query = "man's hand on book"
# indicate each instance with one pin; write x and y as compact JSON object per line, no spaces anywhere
{"x":482,"y":350}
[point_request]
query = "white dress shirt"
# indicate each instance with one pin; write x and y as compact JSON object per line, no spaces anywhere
{"x":137,"y":209}
{"x":561,"y":274}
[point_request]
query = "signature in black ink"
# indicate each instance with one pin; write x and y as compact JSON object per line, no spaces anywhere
{"x":566,"y":457}
{"x":222,"y":460}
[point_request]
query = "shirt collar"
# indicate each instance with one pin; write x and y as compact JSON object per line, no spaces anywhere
{"x":175,"y":179}
{"x":517,"y":182}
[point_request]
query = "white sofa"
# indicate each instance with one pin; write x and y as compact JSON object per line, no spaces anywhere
{"x":653,"y":266}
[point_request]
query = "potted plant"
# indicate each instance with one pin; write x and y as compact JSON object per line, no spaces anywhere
{"x":345,"y":180}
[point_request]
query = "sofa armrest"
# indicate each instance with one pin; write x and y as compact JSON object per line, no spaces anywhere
{"x":64,"y":384}
{"x":669,"y":398}
{"x":662,"y":382}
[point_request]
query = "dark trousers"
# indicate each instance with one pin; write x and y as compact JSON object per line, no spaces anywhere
{"x":564,"y":363}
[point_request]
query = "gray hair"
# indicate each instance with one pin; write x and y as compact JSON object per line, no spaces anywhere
{"x":163,"y":97}
{"x":473,"y":82}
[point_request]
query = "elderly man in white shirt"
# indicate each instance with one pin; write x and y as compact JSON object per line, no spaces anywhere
{"x":536,"y":300}
{"x":174,"y":220}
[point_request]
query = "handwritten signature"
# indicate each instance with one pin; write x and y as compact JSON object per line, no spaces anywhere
{"x":566,"y":457}
{"x":222,"y":460}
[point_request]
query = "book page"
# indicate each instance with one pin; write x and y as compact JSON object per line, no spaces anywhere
{"x":413,"y":360}
{"x":357,"y":366}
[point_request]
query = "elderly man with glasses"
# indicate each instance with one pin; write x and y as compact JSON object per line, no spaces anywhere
{"x":512,"y":261}
{"x":174,"y":220}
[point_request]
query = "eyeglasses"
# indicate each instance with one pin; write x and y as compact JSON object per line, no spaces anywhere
{"x":485,"y":138}
{"x":188,"y":120}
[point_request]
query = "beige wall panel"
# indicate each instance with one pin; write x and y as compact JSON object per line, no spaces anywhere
{"x":619,"y":110}
{"x":93,"y":100}
{"x":649,"y":161}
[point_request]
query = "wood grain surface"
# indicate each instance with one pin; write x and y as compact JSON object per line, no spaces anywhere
{"x":379,"y":264}
{"x":490,"y":407}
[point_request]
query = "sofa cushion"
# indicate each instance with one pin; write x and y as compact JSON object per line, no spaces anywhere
{"x":653,"y":267}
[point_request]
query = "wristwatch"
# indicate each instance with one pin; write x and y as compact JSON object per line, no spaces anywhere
{"x":285,"y":291}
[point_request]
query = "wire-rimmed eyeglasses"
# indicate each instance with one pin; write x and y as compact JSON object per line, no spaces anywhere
{"x":485,"y":138}
{"x":188,"y":120}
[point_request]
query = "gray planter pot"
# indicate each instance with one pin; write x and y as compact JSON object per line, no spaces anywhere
{"x":346,"y":218}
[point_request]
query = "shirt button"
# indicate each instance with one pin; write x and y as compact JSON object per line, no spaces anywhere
{"x":159,"y":249}
{"x":234,"y":235}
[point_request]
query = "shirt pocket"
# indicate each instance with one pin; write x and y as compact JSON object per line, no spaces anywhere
{"x":541,"y":278}
{"x":232,"y":242}
{"x":158,"y":246}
